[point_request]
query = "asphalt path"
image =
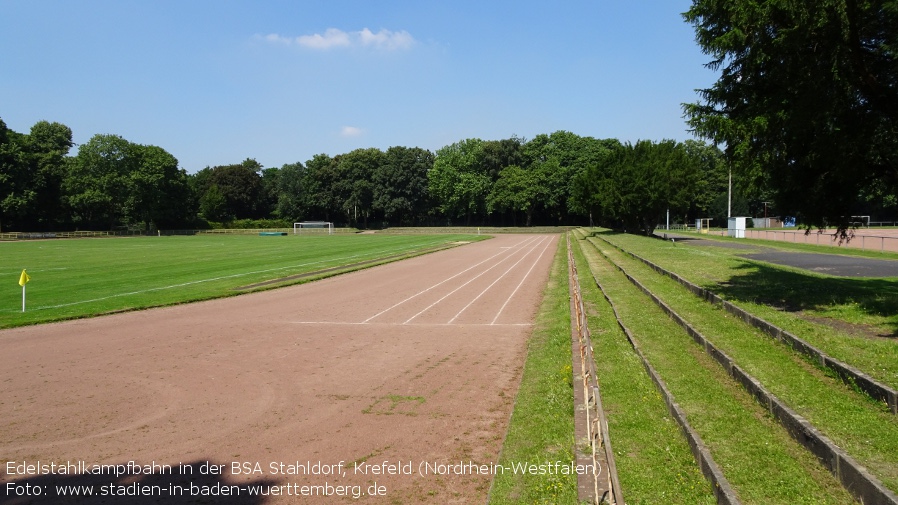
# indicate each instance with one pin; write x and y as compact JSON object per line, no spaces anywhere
{"x":830,"y":264}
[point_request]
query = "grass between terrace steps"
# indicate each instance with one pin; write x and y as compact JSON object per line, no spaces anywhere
{"x":653,"y":460}
{"x":542,"y":424}
{"x":757,"y":456}
{"x":862,"y":427}
{"x":84,"y":277}
{"x":854,"y":320}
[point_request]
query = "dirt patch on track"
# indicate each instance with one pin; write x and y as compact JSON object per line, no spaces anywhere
{"x":394,"y":369}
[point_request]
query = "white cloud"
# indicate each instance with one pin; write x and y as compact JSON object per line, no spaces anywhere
{"x":351,"y":131}
{"x":384,"y":39}
{"x":274,"y":38}
{"x":332,"y":38}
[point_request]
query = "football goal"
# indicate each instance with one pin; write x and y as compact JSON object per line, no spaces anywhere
{"x":307,"y":227}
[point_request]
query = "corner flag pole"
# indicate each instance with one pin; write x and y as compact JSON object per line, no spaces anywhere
{"x":23,"y":279}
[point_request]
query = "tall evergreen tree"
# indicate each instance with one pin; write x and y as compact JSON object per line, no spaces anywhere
{"x":807,"y":100}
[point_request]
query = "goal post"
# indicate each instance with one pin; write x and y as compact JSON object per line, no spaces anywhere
{"x":308,"y":227}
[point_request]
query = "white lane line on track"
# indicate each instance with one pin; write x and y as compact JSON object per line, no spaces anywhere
{"x":341,"y":323}
{"x":472,"y":279}
{"x":520,"y":283}
{"x":535,"y":246}
{"x":435,"y":285}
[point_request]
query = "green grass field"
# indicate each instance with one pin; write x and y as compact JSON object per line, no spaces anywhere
{"x":542,"y":424}
{"x":654,"y":462}
{"x":84,"y":277}
{"x":855,"y":320}
{"x":762,"y":462}
{"x":862,"y":427}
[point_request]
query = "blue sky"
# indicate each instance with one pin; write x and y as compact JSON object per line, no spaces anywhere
{"x":216,"y":82}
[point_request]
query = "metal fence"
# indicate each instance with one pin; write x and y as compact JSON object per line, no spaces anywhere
{"x":160,"y":233}
{"x":67,"y":234}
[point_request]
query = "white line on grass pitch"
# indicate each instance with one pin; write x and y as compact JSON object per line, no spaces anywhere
{"x":242,"y":274}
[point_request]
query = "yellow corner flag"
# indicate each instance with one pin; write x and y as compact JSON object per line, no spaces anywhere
{"x":23,"y":279}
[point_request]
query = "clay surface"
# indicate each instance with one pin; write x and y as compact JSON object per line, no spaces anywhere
{"x":395,"y":381}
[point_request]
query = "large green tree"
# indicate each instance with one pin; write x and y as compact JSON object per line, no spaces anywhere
{"x":807,"y":100}
{"x":32,"y":167}
{"x":583,"y":196}
{"x":638,"y":183}
{"x":291,"y":192}
{"x":400,"y":185}
{"x":239,"y":185}
{"x":159,"y":195}
{"x":499,"y":154}
{"x":713,"y":197}
{"x":98,"y":181}
{"x":459,"y":180}
{"x":355,"y":183}
{"x":561,"y":157}
{"x":523,"y":190}
{"x":322,"y":199}
{"x":269,"y":193}
{"x":213,"y":205}
{"x":48,"y":146}
{"x":113,"y":182}
{"x":15,"y":195}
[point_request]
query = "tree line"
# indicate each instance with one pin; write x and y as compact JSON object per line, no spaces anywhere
{"x":553,"y":179}
{"x":805,"y":109}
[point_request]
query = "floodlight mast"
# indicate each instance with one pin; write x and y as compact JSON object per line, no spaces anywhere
{"x":730,"y":194}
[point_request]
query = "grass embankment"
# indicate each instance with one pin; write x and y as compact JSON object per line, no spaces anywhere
{"x":542,"y":425}
{"x":854,"y":320}
{"x":859,"y":425}
{"x":653,"y":460}
{"x":84,"y":277}
{"x":759,"y":459}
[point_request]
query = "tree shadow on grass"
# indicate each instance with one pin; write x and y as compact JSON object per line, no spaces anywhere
{"x":793,"y":291}
{"x":177,"y":485}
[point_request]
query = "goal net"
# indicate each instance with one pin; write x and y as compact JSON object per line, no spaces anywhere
{"x":308,"y":227}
